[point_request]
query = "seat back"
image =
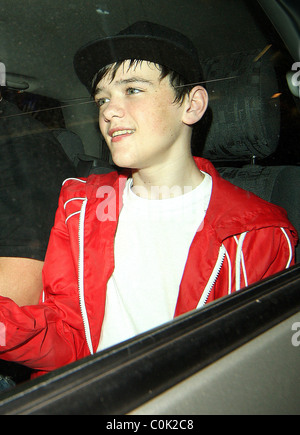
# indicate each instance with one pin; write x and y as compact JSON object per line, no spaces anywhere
{"x":245,"y":126}
{"x":71,"y":144}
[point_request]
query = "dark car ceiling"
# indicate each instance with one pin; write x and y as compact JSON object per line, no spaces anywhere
{"x":40,"y":37}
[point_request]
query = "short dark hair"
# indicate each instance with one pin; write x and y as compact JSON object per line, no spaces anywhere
{"x":179,"y":84}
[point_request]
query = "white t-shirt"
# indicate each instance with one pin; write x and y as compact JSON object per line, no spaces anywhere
{"x":151,"y":248}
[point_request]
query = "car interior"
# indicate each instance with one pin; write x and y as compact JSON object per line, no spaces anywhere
{"x":244,"y":132}
{"x":250,"y":132}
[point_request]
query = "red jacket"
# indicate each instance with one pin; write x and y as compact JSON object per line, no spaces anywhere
{"x":242,"y":240}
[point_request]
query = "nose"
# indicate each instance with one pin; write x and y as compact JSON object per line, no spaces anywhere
{"x":113,"y":109}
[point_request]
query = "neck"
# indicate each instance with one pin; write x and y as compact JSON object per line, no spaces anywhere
{"x":167,"y":180}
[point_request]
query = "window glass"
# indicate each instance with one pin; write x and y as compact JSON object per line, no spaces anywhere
{"x":252,"y":78}
{"x":44,"y":109}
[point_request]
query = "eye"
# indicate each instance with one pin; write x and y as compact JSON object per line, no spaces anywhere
{"x":132,"y":91}
{"x":101,"y":101}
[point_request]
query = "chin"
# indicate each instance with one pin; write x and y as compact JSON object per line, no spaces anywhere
{"x":122,"y":161}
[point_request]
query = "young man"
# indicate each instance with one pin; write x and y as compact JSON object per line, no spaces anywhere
{"x":132,"y":249}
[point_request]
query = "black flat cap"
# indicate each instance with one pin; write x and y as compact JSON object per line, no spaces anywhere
{"x":141,"y":41}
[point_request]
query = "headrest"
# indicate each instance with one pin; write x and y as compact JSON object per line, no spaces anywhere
{"x":244,"y":118}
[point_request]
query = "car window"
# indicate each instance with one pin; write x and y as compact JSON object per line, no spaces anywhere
{"x":250,"y":131}
{"x":44,"y":109}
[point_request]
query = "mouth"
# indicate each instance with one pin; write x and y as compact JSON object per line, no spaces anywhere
{"x":117,"y":134}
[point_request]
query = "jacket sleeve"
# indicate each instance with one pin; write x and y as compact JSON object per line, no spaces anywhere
{"x":255,"y":255}
{"x":50,"y":334}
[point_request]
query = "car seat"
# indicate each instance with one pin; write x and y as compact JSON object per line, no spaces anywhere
{"x":84,"y":164}
{"x":71,"y":144}
{"x":245,"y":127}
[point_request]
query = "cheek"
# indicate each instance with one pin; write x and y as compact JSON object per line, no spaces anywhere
{"x":165,"y":124}
{"x":158,"y":120}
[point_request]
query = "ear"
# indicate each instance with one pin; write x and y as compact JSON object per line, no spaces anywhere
{"x":195,"y":105}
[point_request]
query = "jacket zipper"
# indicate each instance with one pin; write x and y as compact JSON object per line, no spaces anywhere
{"x":81,"y":278}
{"x":213,"y":278}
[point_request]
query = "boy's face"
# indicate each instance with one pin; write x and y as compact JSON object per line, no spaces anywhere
{"x":140,"y":123}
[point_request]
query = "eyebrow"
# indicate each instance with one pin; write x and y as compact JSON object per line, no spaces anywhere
{"x":126,"y":82}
